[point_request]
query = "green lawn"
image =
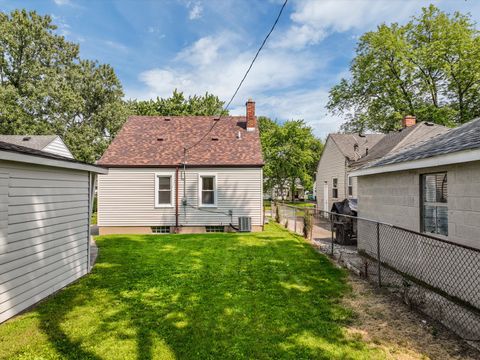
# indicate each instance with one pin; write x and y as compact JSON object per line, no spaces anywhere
{"x":222,"y":296}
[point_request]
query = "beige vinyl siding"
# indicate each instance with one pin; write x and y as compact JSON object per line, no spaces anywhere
{"x":44,"y":215}
{"x":126,"y":197}
{"x":332,"y":165}
{"x":58,"y":147}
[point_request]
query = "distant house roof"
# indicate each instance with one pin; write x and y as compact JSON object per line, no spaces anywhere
{"x":346,"y":144}
{"x":159,"y":141}
{"x":399,"y":140}
{"x":48,"y":143}
{"x":457,"y":145}
{"x":12,"y":152}
{"x":37,"y":142}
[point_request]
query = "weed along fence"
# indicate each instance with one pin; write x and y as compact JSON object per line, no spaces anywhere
{"x":438,"y":277}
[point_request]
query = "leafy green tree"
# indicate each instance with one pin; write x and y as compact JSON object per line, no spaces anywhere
{"x":46,"y":88}
{"x":429,"y":67}
{"x":291,"y":152}
{"x":178,"y":105}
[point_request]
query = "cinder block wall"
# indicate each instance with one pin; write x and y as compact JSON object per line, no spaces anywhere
{"x":394,"y":198}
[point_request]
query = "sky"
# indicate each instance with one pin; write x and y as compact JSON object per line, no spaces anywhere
{"x":199,"y":46}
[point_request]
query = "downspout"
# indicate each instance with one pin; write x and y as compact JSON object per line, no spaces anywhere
{"x":176,"y":199}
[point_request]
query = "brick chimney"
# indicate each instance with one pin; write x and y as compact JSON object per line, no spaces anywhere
{"x":251,"y":118}
{"x":408,"y":120}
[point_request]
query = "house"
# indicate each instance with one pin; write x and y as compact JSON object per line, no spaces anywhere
{"x":45,"y":207}
{"x":358,"y":151}
{"x":183,"y":174}
{"x":432,"y":188}
{"x":339,"y":153}
{"x":285,"y":193}
{"x":52,"y":144}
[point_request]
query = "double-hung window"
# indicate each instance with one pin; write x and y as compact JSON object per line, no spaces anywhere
{"x":163,"y":190}
{"x":208,"y":196}
{"x":434,"y":212}
{"x":350,"y":186}
{"x":335,"y":188}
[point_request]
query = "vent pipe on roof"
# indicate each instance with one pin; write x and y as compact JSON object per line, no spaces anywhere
{"x":239,"y":135}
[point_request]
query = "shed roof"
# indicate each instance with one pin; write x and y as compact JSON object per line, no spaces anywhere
{"x":8,"y":151}
{"x":156,"y":141}
{"x":37,"y":142}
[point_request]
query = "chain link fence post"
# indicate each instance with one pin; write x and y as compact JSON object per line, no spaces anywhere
{"x":379,"y":266}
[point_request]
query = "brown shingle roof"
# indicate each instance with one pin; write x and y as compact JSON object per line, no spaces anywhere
{"x":149,"y":141}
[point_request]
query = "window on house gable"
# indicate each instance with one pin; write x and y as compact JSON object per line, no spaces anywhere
{"x":208,"y":196}
{"x":163,"y":190}
{"x":434,"y":218}
{"x":335,"y":188}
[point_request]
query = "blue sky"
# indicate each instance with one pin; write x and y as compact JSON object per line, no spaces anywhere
{"x":206,"y":45}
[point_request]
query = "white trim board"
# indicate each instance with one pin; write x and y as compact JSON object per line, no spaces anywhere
{"x":439,"y":160}
{"x":39,"y":160}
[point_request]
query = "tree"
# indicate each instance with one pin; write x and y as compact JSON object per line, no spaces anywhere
{"x":46,"y":88}
{"x":178,"y":105}
{"x":429,"y":68}
{"x":291,"y":152}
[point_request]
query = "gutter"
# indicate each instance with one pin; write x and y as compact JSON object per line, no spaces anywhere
{"x":439,"y":160}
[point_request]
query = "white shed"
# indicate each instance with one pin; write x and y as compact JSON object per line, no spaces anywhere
{"x":45,"y":208}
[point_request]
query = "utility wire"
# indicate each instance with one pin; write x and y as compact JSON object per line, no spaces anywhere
{"x":243,"y":79}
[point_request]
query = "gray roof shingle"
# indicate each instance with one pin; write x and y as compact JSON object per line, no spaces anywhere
{"x":465,"y":137}
{"x":397,"y":141}
{"x":346,"y":143}
{"x":37,"y":142}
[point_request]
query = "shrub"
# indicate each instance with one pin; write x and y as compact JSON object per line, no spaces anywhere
{"x":307,"y":224}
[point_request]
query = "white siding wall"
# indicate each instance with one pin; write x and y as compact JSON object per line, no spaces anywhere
{"x":126,"y":197}
{"x":331,"y":165}
{"x":394,"y":198}
{"x":58,"y":147}
{"x":44,"y":215}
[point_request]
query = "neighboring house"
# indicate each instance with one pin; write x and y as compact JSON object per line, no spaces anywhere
{"x":45,"y":207}
{"x":432,"y":188}
{"x":286,"y":193}
{"x":147,"y":189}
{"x":52,"y":144}
{"x":339,"y":153}
{"x":348,"y":152}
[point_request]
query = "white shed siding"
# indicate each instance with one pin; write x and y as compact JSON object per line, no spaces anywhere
{"x":58,"y":147}
{"x":332,"y":164}
{"x":126,"y":197}
{"x":44,"y":215}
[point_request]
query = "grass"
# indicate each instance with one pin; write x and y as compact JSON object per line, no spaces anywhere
{"x":208,"y":296}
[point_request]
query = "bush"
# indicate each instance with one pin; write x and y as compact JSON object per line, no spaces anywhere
{"x":307,"y":224}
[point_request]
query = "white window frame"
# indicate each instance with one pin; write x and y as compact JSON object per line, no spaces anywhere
{"x":350,"y":186}
{"x":172,"y":189}
{"x":334,"y":187}
{"x":200,"y":186}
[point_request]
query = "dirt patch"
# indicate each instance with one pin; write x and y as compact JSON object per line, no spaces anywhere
{"x":385,"y":322}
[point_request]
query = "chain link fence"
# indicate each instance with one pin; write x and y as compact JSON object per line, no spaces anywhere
{"x":433,"y":275}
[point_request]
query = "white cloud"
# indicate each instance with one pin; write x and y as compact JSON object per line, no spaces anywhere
{"x":217,"y":67}
{"x":313,"y":20}
{"x":62,"y":2}
{"x":195,"y":10}
{"x":116,"y":45}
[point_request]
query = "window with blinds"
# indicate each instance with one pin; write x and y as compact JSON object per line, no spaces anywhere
{"x":434,"y":215}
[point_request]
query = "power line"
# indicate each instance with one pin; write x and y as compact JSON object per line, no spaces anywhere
{"x":243,"y":79}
